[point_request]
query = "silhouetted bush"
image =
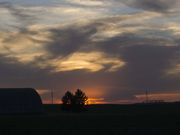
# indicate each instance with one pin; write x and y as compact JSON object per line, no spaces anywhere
{"x":74,"y":102}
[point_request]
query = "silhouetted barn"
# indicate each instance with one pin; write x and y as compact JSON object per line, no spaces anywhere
{"x":20,"y":100}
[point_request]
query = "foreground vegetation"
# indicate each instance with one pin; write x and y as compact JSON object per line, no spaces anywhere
{"x":98,"y":120}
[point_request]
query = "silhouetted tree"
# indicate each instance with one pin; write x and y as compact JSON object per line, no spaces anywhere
{"x":67,"y":100}
{"x":76,"y":102}
{"x":80,"y":97}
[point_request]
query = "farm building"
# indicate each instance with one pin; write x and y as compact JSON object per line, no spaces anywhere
{"x":20,"y":100}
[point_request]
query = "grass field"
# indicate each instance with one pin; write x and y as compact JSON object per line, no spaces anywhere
{"x":98,"y":120}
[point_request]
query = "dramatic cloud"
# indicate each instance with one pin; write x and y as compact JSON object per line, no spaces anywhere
{"x":157,"y":5}
{"x":114,"y":50}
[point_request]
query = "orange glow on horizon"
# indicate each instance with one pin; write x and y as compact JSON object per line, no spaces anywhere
{"x":95,"y":101}
{"x":90,"y":101}
{"x":95,"y":96}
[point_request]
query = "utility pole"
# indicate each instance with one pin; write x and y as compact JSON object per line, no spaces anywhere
{"x":147,"y":98}
{"x":52,"y":97}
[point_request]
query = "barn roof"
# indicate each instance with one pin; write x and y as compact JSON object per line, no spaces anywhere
{"x":20,"y":100}
{"x":17,"y":90}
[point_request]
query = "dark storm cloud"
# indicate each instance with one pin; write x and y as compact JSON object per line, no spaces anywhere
{"x":153,"y":5}
{"x":73,"y":38}
{"x":65,"y":41}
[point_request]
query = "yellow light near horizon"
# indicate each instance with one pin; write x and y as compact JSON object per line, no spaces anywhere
{"x":92,"y":61}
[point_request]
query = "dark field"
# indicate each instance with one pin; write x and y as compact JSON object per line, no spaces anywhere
{"x":161,"y":119}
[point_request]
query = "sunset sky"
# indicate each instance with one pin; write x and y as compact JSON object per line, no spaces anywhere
{"x":114,"y":50}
